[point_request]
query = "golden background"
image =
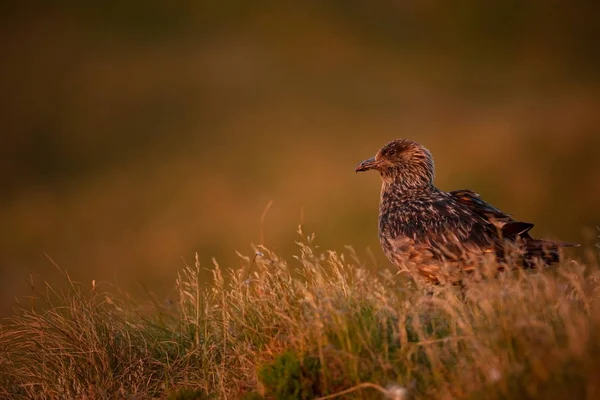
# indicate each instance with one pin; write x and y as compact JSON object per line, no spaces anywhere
{"x":134,"y":135}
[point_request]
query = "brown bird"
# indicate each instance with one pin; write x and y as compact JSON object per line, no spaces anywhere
{"x":438,"y":235}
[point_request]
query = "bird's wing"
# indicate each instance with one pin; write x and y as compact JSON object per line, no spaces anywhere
{"x":473,"y":201}
{"x":508,"y":227}
{"x":511,"y":229}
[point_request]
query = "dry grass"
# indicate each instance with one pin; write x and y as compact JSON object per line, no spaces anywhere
{"x":323,"y":325}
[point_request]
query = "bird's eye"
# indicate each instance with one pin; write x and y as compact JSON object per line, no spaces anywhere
{"x":391,"y":152}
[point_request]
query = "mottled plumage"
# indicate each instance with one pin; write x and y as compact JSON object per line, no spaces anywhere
{"x":438,"y":234}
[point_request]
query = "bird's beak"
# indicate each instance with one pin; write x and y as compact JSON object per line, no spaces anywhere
{"x":366,"y":165}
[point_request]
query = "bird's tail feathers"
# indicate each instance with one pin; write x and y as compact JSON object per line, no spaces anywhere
{"x":543,"y":243}
{"x":545,"y":250}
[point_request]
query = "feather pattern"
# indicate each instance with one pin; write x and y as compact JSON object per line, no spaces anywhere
{"x":427,"y":231}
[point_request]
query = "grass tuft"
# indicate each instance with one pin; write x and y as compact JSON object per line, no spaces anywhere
{"x":322,"y":325}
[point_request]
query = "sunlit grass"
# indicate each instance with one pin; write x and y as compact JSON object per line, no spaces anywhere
{"x":323,"y":324}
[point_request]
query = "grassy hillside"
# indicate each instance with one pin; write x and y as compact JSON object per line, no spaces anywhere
{"x":322,"y":324}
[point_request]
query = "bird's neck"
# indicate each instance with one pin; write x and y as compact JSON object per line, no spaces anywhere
{"x":406,"y":188}
{"x":394,"y":193}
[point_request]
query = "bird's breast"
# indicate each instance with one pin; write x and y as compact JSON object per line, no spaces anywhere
{"x":410,"y":220}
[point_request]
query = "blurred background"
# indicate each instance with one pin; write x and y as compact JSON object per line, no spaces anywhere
{"x":135,"y":134}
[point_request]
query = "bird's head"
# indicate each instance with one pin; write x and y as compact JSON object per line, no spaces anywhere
{"x":402,"y":161}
